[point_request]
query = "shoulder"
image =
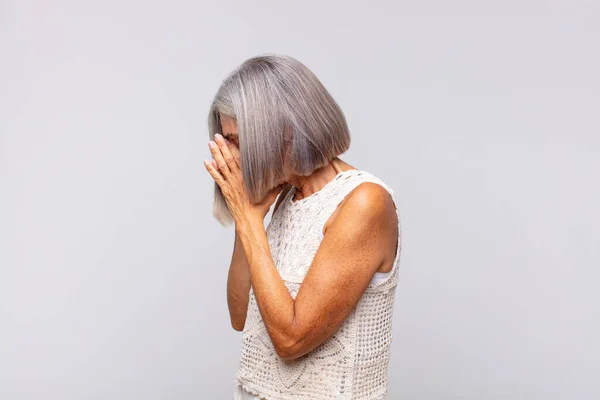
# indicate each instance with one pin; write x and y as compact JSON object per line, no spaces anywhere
{"x":368,"y":205}
{"x":370,"y":197}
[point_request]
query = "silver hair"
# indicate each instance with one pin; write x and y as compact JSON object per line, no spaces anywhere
{"x":287,"y":123}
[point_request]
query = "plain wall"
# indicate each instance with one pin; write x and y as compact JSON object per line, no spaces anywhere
{"x":482,"y":116}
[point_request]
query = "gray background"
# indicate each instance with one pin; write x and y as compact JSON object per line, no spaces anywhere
{"x":483,"y":117}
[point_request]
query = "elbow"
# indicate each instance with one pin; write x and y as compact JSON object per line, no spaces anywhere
{"x":291,"y":344}
{"x":238,"y":325}
{"x":286,"y":353}
{"x":288,"y":349}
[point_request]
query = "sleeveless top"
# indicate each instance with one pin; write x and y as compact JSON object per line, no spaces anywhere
{"x":239,"y":393}
{"x":353,"y":362}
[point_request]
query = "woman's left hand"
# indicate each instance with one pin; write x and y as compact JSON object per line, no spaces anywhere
{"x":225,"y":168}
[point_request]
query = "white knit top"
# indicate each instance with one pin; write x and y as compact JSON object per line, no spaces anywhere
{"x":353,"y":362}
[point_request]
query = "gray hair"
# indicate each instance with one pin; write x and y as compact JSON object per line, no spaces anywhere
{"x":287,"y":122}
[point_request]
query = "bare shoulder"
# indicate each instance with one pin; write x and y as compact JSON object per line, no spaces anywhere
{"x":368,"y":203}
{"x":368,"y":215}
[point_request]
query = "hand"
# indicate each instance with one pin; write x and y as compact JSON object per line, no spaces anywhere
{"x":225,"y":168}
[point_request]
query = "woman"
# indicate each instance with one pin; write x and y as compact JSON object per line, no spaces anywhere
{"x":314,"y":292}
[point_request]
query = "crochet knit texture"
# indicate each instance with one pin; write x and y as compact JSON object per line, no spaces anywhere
{"x":353,"y":362}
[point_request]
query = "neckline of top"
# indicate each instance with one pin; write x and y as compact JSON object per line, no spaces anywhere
{"x":306,"y":199}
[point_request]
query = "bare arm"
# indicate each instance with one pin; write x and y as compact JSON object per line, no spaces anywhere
{"x":238,"y":286}
{"x":238,"y":279}
{"x":352,"y":249}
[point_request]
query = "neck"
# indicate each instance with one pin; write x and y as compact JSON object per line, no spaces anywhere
{"x":307,"y":185}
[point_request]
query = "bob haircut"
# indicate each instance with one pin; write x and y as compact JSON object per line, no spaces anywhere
{"x":287,"y":123}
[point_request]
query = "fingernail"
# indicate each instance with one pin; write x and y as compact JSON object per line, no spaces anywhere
{"x":211,"y":144}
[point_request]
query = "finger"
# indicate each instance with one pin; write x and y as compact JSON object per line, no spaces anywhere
{"x":226,"y":152}
{"x":218,"y":156}
{"x":235,"y":152}
{"x":212,"y":170}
